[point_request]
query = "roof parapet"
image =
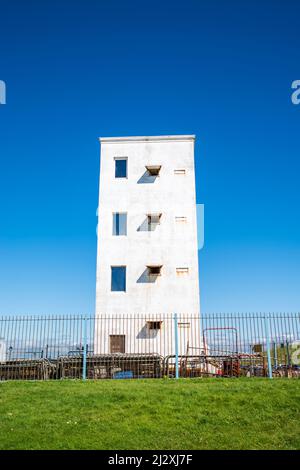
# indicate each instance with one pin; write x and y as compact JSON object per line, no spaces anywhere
{"x":153,"y":138}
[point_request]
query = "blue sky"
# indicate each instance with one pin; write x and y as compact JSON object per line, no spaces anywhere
{"x":82,"y":69}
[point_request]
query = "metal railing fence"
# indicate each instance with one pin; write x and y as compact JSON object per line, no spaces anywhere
{"x":149,"y":346}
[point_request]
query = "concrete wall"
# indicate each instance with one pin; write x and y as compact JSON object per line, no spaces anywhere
{"x":173,"y":244}
{"x":2,"y":350}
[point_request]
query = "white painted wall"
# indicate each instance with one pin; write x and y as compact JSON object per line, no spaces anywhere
{"x":173,"y":244}
{"x":2,"y":350}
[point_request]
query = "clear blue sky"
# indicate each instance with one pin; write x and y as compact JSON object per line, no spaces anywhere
{"x":76,"y":70}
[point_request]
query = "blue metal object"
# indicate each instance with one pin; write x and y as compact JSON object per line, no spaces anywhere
{"x":84,"y":348}
{"x":176,"y":346}
{"x":275,"y":354}
{"x":268,"y":347}
{"x":125,"y":374}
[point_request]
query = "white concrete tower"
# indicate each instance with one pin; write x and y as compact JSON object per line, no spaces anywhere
{"x":147,"y":260}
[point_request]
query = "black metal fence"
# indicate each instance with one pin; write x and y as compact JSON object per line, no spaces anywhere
{"x":149,"y":346}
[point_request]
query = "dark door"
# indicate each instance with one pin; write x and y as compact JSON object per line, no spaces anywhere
{"x":117,"y":343}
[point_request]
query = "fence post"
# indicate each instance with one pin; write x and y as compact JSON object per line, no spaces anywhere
{"x":176,"y":345}
{"x":84,"y":348}
{"x":288,"y":354}
{"x":275,"y":354}
{"x":267,"y":330}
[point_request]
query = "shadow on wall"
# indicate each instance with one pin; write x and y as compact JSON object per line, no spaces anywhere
{"x":147,"y":278}
{"x":146,"y":226}
{"x":147,"y":178}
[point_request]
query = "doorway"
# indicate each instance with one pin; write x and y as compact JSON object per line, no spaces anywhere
{"x":117,"y":344}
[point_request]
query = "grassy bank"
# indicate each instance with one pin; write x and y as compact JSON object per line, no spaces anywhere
{"x":151,"y":414}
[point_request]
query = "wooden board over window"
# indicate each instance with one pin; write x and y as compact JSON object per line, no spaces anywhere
{"x":117,"y":343}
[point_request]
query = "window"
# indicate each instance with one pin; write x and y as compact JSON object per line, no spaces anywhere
{"x":184,"y":324}
{"x":182,"y":271}
{"x":153,"y":170}
{"x":118,"y":278}
{"x":154,"y":325}
{"x":120,"y":167}
{"x":153,"y":220}
{"x":180,"y":219}
{"x":120,"y":223}
{"x":179,"y":171}
{"x":154,"y":270}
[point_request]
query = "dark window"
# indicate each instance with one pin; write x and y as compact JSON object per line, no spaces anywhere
{"x":153,"y":170}
{"x":153,"y":221}
{"x":119,"y":223}
{"x":117,"y":344}
{"x":154,"y":325}
{"x":154,"y":270}
{"x":118,"y":278}
{"x":121,"y":167}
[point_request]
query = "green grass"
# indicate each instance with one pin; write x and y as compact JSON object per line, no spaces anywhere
{"x":151,"y":414}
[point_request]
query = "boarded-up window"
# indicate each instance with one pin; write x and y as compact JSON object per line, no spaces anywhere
{"x":117,"y":343}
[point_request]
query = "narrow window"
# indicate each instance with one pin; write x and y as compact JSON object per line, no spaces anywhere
{"x":180,"y":219}
{"x":120,"y":167}
{"x":184,"y":324}
{"x":182,"y":271}
{"x":179,"y":171}
{"x":118,"y":278}
{"x":120,"y":223}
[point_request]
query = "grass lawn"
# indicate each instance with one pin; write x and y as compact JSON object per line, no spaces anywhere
{"x":151,"y":414}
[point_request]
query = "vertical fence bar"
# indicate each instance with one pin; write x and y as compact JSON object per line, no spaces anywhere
{"x":176,"y":345}
{"x":267,"y":331}
{"x":84,"y":348}
{"x":275,"y":354}
{"x":288,"y":353}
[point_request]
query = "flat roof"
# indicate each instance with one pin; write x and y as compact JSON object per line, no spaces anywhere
{"x":151,"y":138}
